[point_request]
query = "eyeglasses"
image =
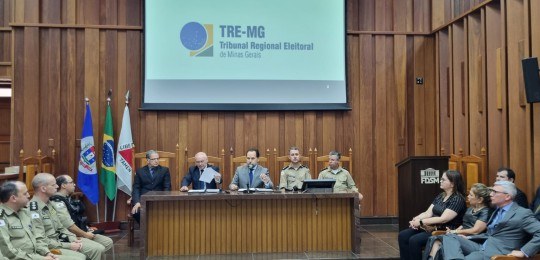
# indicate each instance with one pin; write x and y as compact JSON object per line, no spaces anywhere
{"x":153,"y":159}
{"x":68,"y":182}
{"x":496,"y":191}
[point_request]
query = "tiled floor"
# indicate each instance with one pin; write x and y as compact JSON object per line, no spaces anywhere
{"x":378,"y":242}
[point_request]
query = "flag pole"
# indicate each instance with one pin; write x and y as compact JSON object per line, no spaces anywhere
{"x":116,"y":197}
{"x":106,"y":198}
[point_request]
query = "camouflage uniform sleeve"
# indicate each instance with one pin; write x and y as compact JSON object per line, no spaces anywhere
{"x":63,"y":214}
{"x":350,"y":183}
{"x":282,"y":180}
{"x":308,"y":175}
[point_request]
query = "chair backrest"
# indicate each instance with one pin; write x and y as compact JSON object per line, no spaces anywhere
{"x":454,"y":162}
{"x":473,"y":169}
{"x":321,"y":162}
{"x":30,"y":166}
{"x":213,"y":160}
{"x":281,"y":161}
{"x":166,"y":159}
{"x":235,"y":162}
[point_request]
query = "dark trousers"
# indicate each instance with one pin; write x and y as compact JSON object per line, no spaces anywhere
{"x":411,"y":243}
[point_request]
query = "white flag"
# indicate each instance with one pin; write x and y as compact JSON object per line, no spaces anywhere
{"x":124,"y":155}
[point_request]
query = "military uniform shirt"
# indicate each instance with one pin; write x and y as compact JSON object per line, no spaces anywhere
{"x":291,"y":177}
{"x":45,"y":221}
{"x":62,"y":212}
{"x":17,"y":237}
{"x":344,"y":180}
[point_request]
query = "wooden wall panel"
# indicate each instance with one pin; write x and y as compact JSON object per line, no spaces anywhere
{"x":460,"y":87}
{"x":88,"y":61}
{"x":495,"y":90}
{"x":535,"y":52}
{"x":518,"y":109}
{"x":476,"y":65}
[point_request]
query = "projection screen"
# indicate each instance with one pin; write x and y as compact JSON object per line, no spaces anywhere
{"x":244,"y":55}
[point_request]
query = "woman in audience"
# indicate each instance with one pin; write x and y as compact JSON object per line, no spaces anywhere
{"x":474,"y":221}
{"x":446,"y":211}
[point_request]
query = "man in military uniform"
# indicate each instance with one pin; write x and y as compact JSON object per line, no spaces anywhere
{"x":344,"y":180}
{"x":45,"y":220}
{"x":17,"y":238}
{"x":66,"y":187}
{"x":292,"y":176}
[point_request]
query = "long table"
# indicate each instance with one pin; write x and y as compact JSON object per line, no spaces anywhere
{"x":176,"y":223}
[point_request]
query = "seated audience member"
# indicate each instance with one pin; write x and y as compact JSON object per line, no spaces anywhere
{"x":46,"y":221}
{"x":152,"y":177}
{"x":194,"y":173}
{"x":535,"y":206}
{"x":344,"y":180}
{"x":507,"y":174}
{"x":68,"y":214}
{"x":292,"y":176}
{"x":17,"y":235}
{"x":446,"y":211}
{"x":474,"y":221}
{"x":251,"y":174}
{"x":508,"y":229}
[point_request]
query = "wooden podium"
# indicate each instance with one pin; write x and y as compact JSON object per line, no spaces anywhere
{"x":417,"y":189}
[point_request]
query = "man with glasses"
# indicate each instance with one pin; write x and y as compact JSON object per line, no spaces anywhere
{"x":194,"y":174}
{"x":46,"y":222}
{"x":507,"y":174}
{"x":70,"y":212}
{"x":152,"y":177}
{"x":508,"y":228}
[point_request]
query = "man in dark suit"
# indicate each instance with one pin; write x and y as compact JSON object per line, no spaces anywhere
{"x":508,"y":228}
{"x":507,"y":174}
{"x":535,"y":206}
{"x":152,"y":177}
{"x":251,"y":173}
{"x":194,"y":174}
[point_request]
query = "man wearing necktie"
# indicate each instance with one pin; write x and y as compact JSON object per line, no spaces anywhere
{"x":194,"y":174}
{"x":251,"y":174}
{"x":152,"y":177}
{"x":509,"y":225}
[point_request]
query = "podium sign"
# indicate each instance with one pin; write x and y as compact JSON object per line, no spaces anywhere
{"x":418,"y":185}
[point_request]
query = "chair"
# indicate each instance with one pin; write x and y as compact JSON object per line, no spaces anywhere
{"x":454,"y":162}
{"x":139,"y":160}
{"x":473,"y":169}
{"x":35,"y":165}
{"x":281,"y":161}
{"x":216,"y":161}
{"x":235,"y":162}
{"x":323,"y":160}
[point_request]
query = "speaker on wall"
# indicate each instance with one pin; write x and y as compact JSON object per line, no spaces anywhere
{"x":532,"y":79}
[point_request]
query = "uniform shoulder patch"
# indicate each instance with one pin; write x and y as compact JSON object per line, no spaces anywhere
{"x":285,"y":168}
{"x":2,"y":223}
{"x":34,"y":215}
{"x":33,"y":205}
{"x":60,"y":204}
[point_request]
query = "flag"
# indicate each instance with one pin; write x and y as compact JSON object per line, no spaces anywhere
{"x":108,"y":170}
{"x":87,"y":179}
{"x":124,"y":155}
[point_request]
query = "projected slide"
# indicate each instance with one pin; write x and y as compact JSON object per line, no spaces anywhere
{"x":244,"y":54}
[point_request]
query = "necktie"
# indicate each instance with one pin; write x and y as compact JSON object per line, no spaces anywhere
{"x":496,"y":220}
{"x":152,"y":172}
{"x":202,"y":183}
{"x":250,"y":177}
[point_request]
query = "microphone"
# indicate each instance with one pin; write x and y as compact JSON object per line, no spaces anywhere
{"x":251,"y":166}
{"x":203,"y":183}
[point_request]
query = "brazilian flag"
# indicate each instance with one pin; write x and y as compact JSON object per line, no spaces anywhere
{"x":108,"y":169}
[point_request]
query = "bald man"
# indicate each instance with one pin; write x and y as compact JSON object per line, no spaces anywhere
{"x":45,"y":219}
{"x":194,"y":174}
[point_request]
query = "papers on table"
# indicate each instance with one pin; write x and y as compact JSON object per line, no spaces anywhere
{"x":256,"y":189}
{"x":203,"y":191}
